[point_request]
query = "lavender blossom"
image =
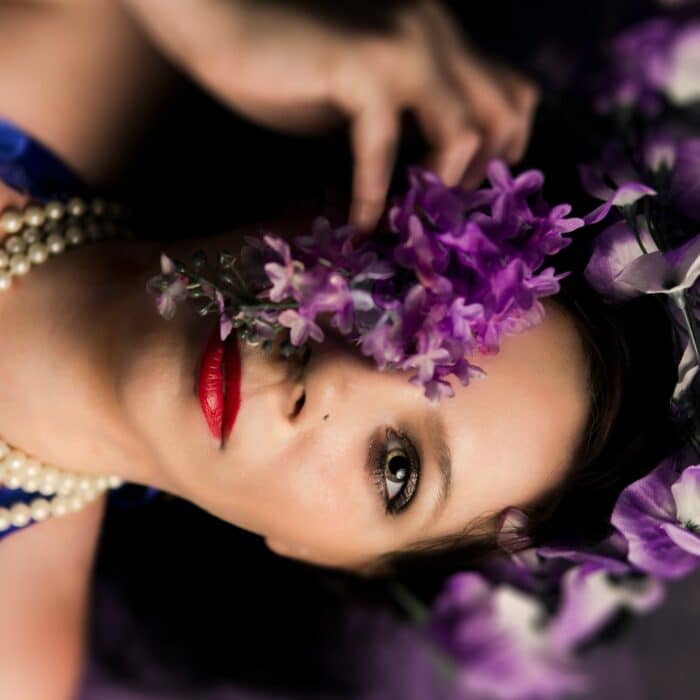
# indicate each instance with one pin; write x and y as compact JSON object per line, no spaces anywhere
{"x":659,"y":517}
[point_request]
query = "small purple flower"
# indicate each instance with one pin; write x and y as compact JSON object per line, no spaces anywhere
{"x":659,"y":517}
{"x":168,"y":288}
{"x":282,"y":276}
{"x":301,"y":327}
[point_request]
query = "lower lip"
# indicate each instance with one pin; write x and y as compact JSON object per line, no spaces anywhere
{"x":219,"y":384}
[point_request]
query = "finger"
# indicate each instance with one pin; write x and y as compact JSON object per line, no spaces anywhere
{"x":444,"y":119}
{"x":375,"y":135}
{"x":524,"y":96}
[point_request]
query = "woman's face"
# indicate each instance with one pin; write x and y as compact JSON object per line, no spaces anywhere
{"x":315,"y":482}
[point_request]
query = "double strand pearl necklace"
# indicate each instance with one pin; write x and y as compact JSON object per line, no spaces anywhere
{"x":31,"y":237}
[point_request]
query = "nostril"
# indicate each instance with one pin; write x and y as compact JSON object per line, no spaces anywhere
{"x":299,"y":404}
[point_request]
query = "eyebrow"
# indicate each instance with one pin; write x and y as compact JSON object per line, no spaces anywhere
{"x":441,"y":450}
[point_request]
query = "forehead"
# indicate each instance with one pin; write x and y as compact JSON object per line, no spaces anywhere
{"x":513,"y":433}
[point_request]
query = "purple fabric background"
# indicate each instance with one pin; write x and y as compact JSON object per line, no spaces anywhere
{"x":656,"y":659}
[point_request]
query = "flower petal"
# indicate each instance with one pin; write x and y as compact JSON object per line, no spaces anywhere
{"x":686,"y":494}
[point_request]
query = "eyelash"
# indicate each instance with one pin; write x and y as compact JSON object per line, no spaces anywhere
{"x":409,"y":487}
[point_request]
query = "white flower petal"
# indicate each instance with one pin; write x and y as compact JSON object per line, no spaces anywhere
{"x":686,"y":494}
{"x":683,"y":83}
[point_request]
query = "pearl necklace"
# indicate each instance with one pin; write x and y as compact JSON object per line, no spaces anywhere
{"x":33,"y":235}
{"x":38,"y":232}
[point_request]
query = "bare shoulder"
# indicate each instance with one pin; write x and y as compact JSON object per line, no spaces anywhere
{"x":45,"y":574}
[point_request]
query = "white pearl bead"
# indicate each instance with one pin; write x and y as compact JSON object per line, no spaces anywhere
{"x":5,"y":280}
{"x":32,"y":467}
{"x":14,"y":244}
{"x":114,"y":482}
{"x":38,"y":253}
{"x":40,"y":509}
{"x":15,"y":461}
{"x":19,"y":264}
{"x":90,"y":495}
{"x":13,"y":481}
{"x":75,"y":502}
{"x":4,"y":259}
{"x":101,"y":483}
{"x":76,"y":207}
{"x":31,"y":235}
{"x":59,"y":506}
{"x":55,"y":243}
{"x":74,"y":235}
{"x":50,"y":474}
{"x":30,"y":484}
{"x":20,"y":515}
{"x":4,"y":449}
{"x":66,"y":485}
{"x":54,"y":210}
{"x":11,"y":221}
{"x":47,"y":489}
{"x":84,"y":484}
{"x":34,"y":216}
{"x":4,"y":519}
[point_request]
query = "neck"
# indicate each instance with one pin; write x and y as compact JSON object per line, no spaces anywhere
{"x":60,"y":345}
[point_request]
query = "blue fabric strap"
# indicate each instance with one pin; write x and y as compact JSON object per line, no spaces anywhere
{"x":32,"y":169}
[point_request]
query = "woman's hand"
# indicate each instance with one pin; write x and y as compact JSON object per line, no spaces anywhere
{"x":290,"y":70}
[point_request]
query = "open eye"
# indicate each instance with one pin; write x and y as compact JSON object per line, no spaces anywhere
{"x":397,"y":469}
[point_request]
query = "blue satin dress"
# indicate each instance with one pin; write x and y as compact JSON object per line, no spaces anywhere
{"x":33,"y":170}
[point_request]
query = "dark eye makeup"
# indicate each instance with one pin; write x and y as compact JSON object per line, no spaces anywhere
{"x":396,"y":470}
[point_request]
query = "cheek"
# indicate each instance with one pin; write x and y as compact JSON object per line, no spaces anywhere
{"x":323,"y":507}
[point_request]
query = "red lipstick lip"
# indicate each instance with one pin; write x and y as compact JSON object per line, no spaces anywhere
{"x":219,"y":384}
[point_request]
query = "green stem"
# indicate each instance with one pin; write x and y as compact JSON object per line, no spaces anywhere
{"x":679,"y":298}
{"x":411,"y":605}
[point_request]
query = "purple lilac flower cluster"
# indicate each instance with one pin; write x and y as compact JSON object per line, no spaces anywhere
{"x":455,"y":272}
{"x":458,"y":273}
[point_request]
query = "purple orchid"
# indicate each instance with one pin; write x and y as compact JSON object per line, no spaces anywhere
{"x":497,"y":637}
{"x":659,"y":517}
